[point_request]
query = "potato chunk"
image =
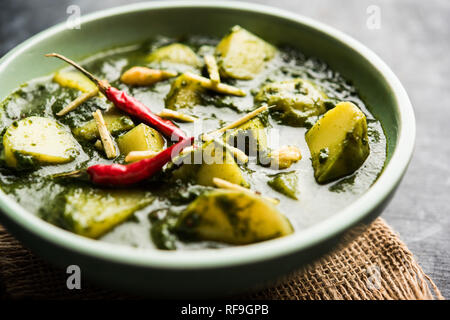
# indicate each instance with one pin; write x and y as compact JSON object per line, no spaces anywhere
{"x":250,"y":137}
{"x":38,"y":139}
{"x":295,"y":101}
{"x":241,"y":54}
{"x":141,"y":138}
{"x":212,"y":161}
{"x":233,"y":217}
{"x":175,"y":53}
{"x":219,"y":163}
{"x":184,"y":93}
{"x":91,"y":213}
{"x":116,"y":122}
{"x":338,"y":142}
{"x":75,"y":80}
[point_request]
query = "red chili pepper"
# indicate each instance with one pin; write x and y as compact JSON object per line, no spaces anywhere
{"x":129,"y":104}
{"x":120,"y":175}
{"x":136,"y":108}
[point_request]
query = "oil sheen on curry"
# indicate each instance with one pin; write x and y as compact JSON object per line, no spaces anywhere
{"x":189,"y":143}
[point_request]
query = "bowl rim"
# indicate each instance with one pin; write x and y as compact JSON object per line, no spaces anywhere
{"x":234,"y":256}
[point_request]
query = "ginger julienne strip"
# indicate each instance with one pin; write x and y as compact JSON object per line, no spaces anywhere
{"x":77,"y":102}
{"x":220,"y":87}
{"x":105,"y":136}
{"x":213,"y":69}
{"x":240,"y":121}
{"x":139,"y":155}
{"x":224,"y":184}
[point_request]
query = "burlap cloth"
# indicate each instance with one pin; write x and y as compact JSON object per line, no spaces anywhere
{"x":374,"y":265}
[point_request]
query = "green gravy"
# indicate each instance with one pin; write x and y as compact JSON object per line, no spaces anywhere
{"x":39,"y":193}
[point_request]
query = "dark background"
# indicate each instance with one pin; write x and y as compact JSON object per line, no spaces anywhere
{"x":414,"y":40}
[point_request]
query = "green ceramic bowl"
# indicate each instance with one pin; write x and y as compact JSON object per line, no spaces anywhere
{"x":231,"y":270}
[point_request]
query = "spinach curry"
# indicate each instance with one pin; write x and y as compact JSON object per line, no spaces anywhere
{"x":313,"y":149}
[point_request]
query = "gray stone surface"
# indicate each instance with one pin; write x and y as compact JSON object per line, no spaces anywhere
{"x":414,"y":40}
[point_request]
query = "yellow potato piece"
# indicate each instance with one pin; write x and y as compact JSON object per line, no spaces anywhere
{"x":42,"y":139}
{"x":141,"y":138}
{"x":91,"y":213}
{"x":242,"y":55}
{"x":250,"y":137}
{"x":234,"y":217}
{"x":212,"y":161}
{"x":338,"y":142}
{"x":116,"y":123}
{"x":294,"y":100}
{"x":75,"y":80}
{"x":219,"y":163}
{"x":175,"y":53}
{"x":184,"y":93}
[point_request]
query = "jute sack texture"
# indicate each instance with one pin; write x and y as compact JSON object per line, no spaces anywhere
{"x":375,"y":264}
